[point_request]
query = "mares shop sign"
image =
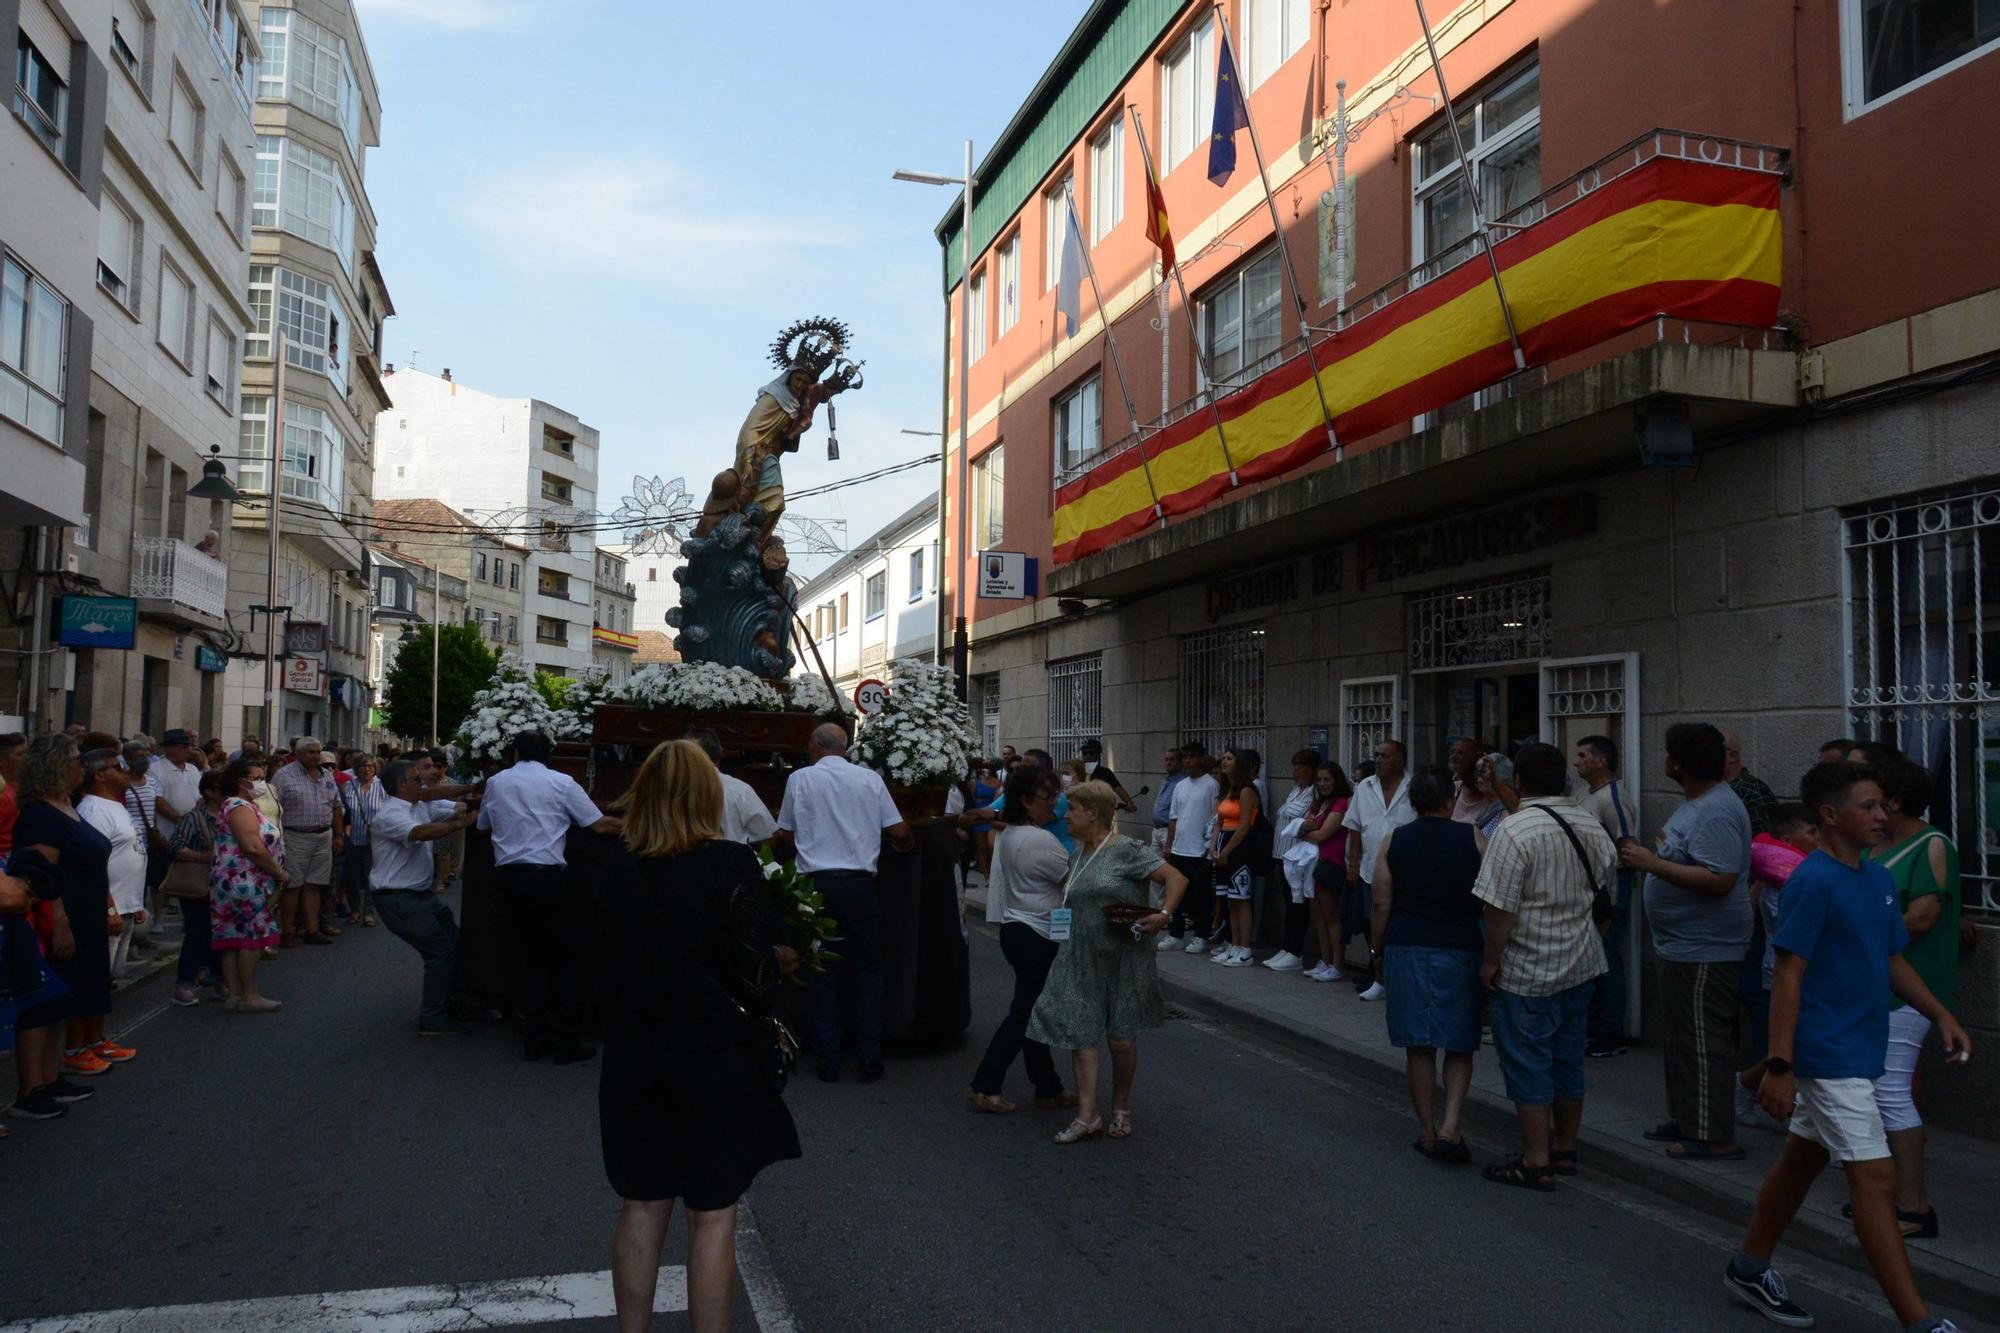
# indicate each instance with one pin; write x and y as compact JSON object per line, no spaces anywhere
{"x":1426,"y":548}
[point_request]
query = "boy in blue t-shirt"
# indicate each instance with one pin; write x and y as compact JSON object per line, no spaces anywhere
{"x":1839,"y":943}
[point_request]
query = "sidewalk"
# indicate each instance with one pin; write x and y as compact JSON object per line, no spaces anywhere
{"x":1626,"y":1097}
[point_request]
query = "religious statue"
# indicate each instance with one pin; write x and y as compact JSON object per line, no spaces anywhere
{"x":737,"y":595}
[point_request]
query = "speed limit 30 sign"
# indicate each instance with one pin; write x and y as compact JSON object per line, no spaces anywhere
{"x":870,"y":696}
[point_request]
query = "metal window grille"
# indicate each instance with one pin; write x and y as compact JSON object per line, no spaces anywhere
{"x":1585,"y":689}
{"x":1076,"y":703}
{"x":1370,"y":713}
{"x":989,"y":714}
{"x":1481,"y":624}
{"x":1921,"y":579}
{"x":1222,"y":688}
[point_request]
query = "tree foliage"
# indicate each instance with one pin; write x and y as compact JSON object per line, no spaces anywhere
{"x":465,"y":667}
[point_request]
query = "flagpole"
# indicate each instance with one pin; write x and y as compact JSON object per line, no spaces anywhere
{"x":1284,"y":250}
{"x":1117,"y":365}
{"x":1194,"y":332}
{"x":1471,"y":191}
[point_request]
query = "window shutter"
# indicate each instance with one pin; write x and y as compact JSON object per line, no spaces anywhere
{"x":47,"y":33}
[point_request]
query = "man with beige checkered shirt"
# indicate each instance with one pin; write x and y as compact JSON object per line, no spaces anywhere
{"x":1542,"y":869}
{"x":314,"y":823}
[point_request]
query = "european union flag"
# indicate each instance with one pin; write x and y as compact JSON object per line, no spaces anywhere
{"x":1231,"y":115}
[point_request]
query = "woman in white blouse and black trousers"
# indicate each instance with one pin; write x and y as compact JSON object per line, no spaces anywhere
{"x":1029,"y":869}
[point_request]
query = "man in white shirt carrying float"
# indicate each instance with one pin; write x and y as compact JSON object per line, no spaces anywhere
{"x":403,"y":833}
{"x":745,"y":818}
{"x":833,"y":817}
{"x":530,"y":809}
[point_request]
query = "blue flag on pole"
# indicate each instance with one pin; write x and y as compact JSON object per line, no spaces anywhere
{"x":1069,"y":271}
{"x":1231,"y":115}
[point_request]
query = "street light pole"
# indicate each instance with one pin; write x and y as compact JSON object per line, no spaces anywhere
{"x":274,"y":485}
{"x":960,"y":642}
{"x":437,"y":622}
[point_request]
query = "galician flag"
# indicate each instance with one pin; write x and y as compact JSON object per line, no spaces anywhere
{"x":1231,"y":115}
{"x":1069,"y":272}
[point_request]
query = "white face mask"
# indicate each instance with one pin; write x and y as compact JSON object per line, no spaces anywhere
{"x":261,"y":788}
{"x":1068,"y":781}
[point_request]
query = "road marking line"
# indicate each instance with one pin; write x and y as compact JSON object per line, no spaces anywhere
{"x":436,"y":1309}
{"x":768,"y":1306}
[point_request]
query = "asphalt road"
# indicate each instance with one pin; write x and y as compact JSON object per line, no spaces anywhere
{"x":326,"y":1149}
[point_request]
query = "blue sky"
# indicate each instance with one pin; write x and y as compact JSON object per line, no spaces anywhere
{"x":614,"y":205}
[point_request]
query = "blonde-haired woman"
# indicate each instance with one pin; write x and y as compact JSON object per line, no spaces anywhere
{"x":687,"y":1108}
{"x":1105,"y":984}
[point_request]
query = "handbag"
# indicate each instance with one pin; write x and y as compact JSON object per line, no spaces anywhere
{"x":187,"y":879}
{"x":1600,"y":901}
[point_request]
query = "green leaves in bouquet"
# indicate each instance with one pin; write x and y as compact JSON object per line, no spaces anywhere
{"x":801,"y":910}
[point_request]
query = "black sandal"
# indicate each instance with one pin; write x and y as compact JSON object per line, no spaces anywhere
{"x":1518,"y":1172}
{"x":1667,"y":1131}
{"x":1452,"y":1152}
{"x":1926,"y":1223}
{"x":1563,"y":1162}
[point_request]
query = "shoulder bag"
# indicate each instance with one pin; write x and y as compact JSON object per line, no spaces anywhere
{"x":1600,"y":901}
{"x":188,"y":879}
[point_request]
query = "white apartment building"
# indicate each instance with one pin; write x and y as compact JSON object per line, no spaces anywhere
{"x":654,"y":591}
{"x":314,"y":283}
{"x":875,"y":605}
{"x":612,"y":641}
{"x":51,"y":164}
{"x":536,"y":480}
{"x":169,"y":302}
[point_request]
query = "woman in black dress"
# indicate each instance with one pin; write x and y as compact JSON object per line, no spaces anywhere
{"x":687,"y":1104}
{"x":76,"y":915}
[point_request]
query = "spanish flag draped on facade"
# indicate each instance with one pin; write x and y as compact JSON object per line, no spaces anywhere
{"x":1676,"y":238}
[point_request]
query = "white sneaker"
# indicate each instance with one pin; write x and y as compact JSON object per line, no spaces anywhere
{"x":1376,"y":990}
{"x":1168,"y":942}
{"x":1197,"y":944}
{"x":1222,"y":955}
{"x":1239,"y":958}
{"x":1318,"y":972}
{"x":1285,"y":961}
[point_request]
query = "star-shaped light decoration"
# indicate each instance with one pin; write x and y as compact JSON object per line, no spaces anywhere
{"x":658,"y":516}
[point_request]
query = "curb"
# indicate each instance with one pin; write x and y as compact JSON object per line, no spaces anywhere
{"x":1943,"y":1280}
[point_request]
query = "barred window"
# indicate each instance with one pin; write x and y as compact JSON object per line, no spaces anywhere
{"x":1222,"y":688}
{"x":1076,"y":704}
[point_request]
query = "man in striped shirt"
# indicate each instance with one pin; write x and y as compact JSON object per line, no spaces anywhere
{"x":1542,"y":954}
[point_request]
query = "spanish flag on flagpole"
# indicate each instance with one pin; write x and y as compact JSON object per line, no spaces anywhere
{"x":1157,"y":230}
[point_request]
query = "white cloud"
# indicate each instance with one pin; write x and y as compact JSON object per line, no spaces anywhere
{"x":460,"y":15}
{"x":640,"y":219}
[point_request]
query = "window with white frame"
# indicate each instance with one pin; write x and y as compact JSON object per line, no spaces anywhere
{"x":1079,"y":418}
{"x":1107,"y":179}
{"x":176,"y":331}
{"x":1076,"y":704}
{"x":313,"y":200}
{"x":315,"y":457}
{"x":186,"y":121}
{"x":229,"y":192}
{"x":876,"y":595}
{"x":118,"y":250}
{"x":1187,"y":93}
{"x":270,"y":169}
{"x":1222,"y":687}
{"x":1241,"y":322}
{"x":1010,"y":283}
{"x":274,"y":27}
{"x":1891,"y":46}
{"x":989,"y":494}
{"x":1273,"y":32}
{"x":263,"y":297}
{"x":1055,"y":213}
{"x":916,"y":576}
{"x":1502,"y":128}
{"x":310,"y":317}
{"x":253,"y":440}
{"x":310,"y":66}
{"x":34,"y":324}
{"x":976,"y":312}
{"x":221,"y":372}
{"x":41,"y":97}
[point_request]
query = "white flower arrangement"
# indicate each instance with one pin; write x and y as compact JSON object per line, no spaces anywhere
{"x":579,"y":707}
{"x":922,"y":737}
{"x":811,"y":695}
{"x":505,"y":709}
{"x":699,"y":687}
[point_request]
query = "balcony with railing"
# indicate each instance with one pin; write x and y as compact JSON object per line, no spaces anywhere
{"x":173,"y":580}
{"x":1671,"y":242}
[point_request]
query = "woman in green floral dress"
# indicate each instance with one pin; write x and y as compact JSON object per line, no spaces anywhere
{"x":1105,"y":984}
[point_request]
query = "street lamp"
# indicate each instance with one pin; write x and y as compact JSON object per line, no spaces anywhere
{"x":960,"y":646}
{"x":214,"y":483}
